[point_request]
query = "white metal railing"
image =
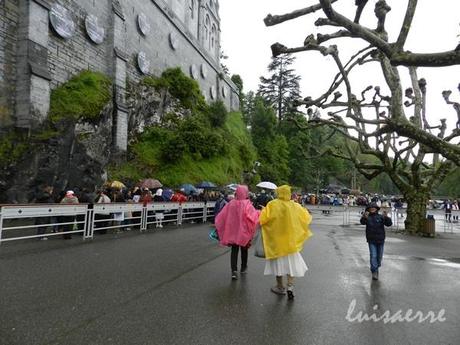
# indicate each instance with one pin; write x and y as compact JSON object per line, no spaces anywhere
{"x":451,"y":221}
{"x":40,"y":221}
{"x":352,"y":214}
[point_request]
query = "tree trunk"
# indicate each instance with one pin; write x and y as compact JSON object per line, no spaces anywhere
{"x":416,"y":212}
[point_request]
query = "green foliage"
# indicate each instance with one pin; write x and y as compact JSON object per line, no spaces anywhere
{"x":217,"y":114}
{"x":180,"y":86}
{"x":281,"y":88}
{"x":301,"y":168}
{"x":45,"y":134}
{"x":82,"y":97}
{"x":450,"y":186}
{"x":12,"y":147}
{"x":272,"y":148}
{"x":208,"y":144}
{"x":236,"y":79}
{"x":192,"y":152}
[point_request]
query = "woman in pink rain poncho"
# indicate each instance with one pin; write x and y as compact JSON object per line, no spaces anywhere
{"x":236,"y":224}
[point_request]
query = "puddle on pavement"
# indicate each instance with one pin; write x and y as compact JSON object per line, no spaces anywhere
{"x":445,"y":262}
{"x":394,"y":240}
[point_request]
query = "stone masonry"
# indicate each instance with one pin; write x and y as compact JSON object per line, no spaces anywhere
{"x":43,"y":43}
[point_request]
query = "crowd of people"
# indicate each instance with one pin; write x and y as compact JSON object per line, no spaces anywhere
{"x":280,"y":215}
{"x":66,"y":224}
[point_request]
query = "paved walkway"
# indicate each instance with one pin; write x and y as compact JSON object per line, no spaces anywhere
{"x":173,"y":287}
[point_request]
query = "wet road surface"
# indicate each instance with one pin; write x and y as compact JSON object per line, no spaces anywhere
{"x":173,"y":287}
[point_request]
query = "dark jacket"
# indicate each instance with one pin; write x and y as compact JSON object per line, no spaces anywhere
{"x":220,"y":203}
{"x":375,"y":227}
{"x":44,"y":198}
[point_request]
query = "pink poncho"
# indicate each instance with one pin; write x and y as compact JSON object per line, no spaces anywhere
{"x":237,"y":221}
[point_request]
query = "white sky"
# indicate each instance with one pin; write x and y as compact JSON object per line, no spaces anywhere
{"x":246,"y":40}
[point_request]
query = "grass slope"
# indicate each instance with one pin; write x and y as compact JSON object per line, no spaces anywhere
{"x":224,"y":168}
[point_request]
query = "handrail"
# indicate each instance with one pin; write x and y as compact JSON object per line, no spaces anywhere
{"x":68,"y":219}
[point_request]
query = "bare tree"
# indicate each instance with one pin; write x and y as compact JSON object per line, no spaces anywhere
{"x":377,"y":124}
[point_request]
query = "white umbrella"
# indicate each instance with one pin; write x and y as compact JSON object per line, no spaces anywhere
{"x":267,"y":185}
{"x":232,"y":186}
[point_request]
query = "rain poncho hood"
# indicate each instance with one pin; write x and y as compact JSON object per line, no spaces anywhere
{"x":285,"y":225}
{"x":237,"y":221}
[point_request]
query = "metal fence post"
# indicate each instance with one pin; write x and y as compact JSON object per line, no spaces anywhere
{"x":1,"y":224}
{"x":90,"y":222}
{"x":179,"y":215}
{"x":85,"y":223}
{"x":205,"y":212}
{"x":144,"y":219}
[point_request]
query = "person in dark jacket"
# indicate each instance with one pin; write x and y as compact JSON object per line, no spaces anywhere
{"x":220,"y":203}
{"x":44,"y":197}
{"x":375,"y":235}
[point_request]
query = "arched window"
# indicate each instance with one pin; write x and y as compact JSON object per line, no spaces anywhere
{"x":192,"y":9}
{"x":207,"y":32}
{"x":213,"y":36}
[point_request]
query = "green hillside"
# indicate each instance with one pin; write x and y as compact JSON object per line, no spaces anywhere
{"x":150,"y":160}
{"x":210,"y":144}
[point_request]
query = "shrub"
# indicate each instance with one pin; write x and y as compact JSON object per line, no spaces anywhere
{"x":12,"y":147}
{"x":217,"y":114}
{"x":183,"y":88}
{"x":82,"y":97}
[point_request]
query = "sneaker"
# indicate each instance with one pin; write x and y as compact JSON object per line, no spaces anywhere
{"x":375,"y":276}
{"x":234,"y":276}
{"x":290,"y":292}
{"x":244,"y":270}
{"x":278,"y":290}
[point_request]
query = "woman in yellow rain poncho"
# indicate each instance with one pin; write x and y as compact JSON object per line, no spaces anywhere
{"x":284,"y":229}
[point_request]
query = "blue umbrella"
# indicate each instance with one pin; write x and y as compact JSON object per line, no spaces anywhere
{"x":167,"y":194}
{"x":205,"y":184}
{"x":188,"y":188}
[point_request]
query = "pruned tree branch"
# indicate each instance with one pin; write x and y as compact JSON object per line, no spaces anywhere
{"x":405,"y":28}
{"x":377,"y":38}
{"x":270,"y":20}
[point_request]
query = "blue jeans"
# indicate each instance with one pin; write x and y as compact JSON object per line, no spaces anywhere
{"x":376,"y":255}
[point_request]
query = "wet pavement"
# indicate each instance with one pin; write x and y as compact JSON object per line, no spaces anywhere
{"x":173,"y":287}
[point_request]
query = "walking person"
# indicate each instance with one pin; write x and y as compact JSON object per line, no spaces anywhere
{"x":285,"y":228}
{"x":455,"y":210}
{"x":448,"y":211}
{"x":375,"y":235}
{"x":236,"y":224}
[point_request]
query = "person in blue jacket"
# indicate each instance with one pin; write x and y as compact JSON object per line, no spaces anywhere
{"x":375,"y":235}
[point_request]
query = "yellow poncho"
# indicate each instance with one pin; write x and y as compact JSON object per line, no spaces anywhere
{"x":284,"y":225}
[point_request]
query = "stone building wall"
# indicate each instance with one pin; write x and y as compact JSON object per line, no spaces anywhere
{"x":141,"y":37}
{"x":66,"y":57}
{"x":9,"y":18}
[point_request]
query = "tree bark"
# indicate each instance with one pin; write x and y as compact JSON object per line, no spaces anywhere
{"x":416,"y":211}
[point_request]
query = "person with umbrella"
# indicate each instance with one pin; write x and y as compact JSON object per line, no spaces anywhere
{"x":285,"y":228}
{"x":262,"y":200}
{"x":236,"y":224}
{"x":179,"y":196}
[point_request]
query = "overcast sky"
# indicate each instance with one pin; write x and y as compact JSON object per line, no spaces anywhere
{"x":246,"y":41}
